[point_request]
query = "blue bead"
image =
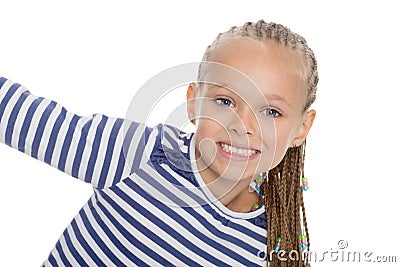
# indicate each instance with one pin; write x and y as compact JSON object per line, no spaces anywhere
{"x":302,"y":246}
{"x":277,"y":248}
{"x":305,"y":187}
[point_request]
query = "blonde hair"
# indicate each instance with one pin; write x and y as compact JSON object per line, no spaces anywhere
{"x":261,"y":31}
{"x":283,"y":196}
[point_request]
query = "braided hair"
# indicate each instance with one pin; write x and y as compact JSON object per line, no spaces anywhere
{"x":283,"y":196}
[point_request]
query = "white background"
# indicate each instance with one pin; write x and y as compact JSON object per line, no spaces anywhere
{"x":91,"y":56}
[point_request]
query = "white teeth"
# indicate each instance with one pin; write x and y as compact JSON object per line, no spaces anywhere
{"x":239,"y":151}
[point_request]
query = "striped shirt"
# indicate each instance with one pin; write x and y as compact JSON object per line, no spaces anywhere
{"x":150,"y":207}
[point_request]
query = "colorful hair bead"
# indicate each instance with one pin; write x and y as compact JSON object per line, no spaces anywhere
{"x":303,"y":241}
{"x":304,"y":184}
{"x":277,"y":245}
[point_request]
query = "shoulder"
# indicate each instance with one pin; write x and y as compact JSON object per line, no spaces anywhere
{"x":172,"y":148}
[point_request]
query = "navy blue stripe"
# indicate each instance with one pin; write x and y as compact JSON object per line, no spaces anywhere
{"x":13,"y":117}
{"x":133,"y":240}
{"x":248,"y":232}
{"x":128,"y":136}
{"x":191,"y":228}
{"x":138,"y":153}
{"x":115,"y":240}
{"x":95,"y":149}
{"x":67,"y":142}
{"x":27,"y":123}
{"x":72,"y":249}
{"x":147,"y":232}
{"x":161,"y":224}
{"x":140,"y":149}
{"x":62,"y":255}
{"x":166,"y":175}
{"x":97,"y":239}
{"x":7,"y":98}
{"x":152,"y":181}
{"x":206,"y":207}
{"x":120,"y":168}
{"x":80,"y":148}
{"x":40,"y":129}
{"x":171,"y":140}
{"x":52,"y":260}
{"x":85,"y":245}
{"x":53,"y":136}
{"x":109,"y":153}
{"x":2,"y":81}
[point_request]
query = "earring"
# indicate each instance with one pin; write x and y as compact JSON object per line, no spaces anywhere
{"x":256,"y":185}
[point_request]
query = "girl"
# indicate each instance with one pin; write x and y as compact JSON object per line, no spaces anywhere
{"x":165,"y":197}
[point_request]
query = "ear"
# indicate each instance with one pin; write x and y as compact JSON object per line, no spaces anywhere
{"x":190,"y":101}
{"x":304,"y":128}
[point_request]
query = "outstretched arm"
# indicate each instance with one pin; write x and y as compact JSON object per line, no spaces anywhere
{"x":88,"y":148}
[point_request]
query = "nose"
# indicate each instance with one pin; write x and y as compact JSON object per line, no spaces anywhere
{"x":244,"y":122}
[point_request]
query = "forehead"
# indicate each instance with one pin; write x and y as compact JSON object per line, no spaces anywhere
{"x":244,"y":63}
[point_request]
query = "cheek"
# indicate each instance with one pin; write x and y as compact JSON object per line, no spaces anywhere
{"x":276,"y":138}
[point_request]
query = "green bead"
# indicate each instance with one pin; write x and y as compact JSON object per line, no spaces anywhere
{"x":278,"y":239}
{"x":259,"y":179}
{"x":304,"y":179}
{"x":303,"y":237}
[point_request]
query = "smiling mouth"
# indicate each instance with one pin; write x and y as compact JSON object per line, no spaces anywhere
{"x":244,"y":152}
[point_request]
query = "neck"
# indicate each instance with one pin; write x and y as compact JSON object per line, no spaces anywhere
{"x":234,"y":195}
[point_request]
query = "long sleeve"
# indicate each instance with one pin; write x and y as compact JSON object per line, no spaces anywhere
{"x":88,"y":148}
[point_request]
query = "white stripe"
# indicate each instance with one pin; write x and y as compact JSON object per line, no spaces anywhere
{"x":173,"y":224}
{"x":149,"y":146}
{"x":103,"y":236}
{"x":74,"y":145}
{"x":44,"y":142}
{"x":96,"y":119}
{"x":111,"y":175}
{"x":56,"y":256}
{"x":34,"y":125}
{"x":10,"y":106}
{"x":126,"y":243}
{"x":71,"y":259}
{"x":90,"y":241}
{"x":60,"y":139}
{"x":20,"y":120}
{"x":4,"y":89}
{"x":218,"y":225}
{"x":131,"y":150}
{"x":105,"y":139}
{"x":169,"y":189}
{"x":151,"y":227}
{"x":78,"y":246}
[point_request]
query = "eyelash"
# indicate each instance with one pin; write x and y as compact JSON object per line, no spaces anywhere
{"x":221,"y":100}
{"x":275,"y":115}
{"x":227,"y":103}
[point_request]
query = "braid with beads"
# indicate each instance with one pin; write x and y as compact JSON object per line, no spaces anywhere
{"x":283,"y":196}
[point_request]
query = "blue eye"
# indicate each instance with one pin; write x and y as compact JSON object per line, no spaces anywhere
{"x":224,"y":102}
{"x":271,"y":113}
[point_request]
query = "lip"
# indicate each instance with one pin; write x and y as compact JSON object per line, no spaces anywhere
{"x":231,"y":156}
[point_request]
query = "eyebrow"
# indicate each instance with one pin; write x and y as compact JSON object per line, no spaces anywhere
{"x":277,"y":98}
